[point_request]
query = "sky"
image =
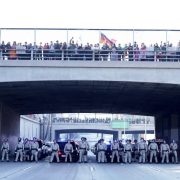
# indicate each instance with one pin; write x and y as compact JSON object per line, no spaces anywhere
{"x":135,"y":14}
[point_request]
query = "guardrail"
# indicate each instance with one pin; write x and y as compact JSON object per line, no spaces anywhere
{"x":90,"y":55}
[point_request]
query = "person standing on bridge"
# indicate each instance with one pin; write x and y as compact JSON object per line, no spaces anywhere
{"x":173,"y":148}
{"x":83,"y":148}
{"x":153,"y":148}
{"x":34,"y":149}
{"x":55,"y":150}
{"x":128,"y":151}
{"x":165,"y":150}
{"x":142,"y":149}
{"x":5,"y":150}
{"x":68,"y":149}
{"x":101,"y":149}
{"x":19,"y":150}
{"x":114,"y":55}
{"x":115,"y":151}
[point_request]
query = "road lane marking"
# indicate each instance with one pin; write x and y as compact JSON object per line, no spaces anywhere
{"x":27,"y":168}
{"x":155,"y":169}
{"x":92,"y":169}
{"x":15,"y":172}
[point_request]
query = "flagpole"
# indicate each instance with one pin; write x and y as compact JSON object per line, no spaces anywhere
{"x":99,"y":36}
{"x":0,"y":36}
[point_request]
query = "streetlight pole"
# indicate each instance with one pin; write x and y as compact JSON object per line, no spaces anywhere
{"x":166,"y":42}
{"x":145,"y":129}
{"x":124,"y":129}
{"x":43,"y":127}
{"x":50,"y":131}
{"x":34,"y":35}
{"x":67,"y":36}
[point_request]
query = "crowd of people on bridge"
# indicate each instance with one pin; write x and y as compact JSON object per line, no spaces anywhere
{"x":142,"y":152}
{"x":75,"y":51}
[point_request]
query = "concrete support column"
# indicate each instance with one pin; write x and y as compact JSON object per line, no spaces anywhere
{"x":167,"y":127}
{"x":1,"y":116}
{"x":116,"y":135}
{"x":119,"y":134}
{"x":9,"y":125}
{"x":53,"y":132}
{"x":175,"y":129}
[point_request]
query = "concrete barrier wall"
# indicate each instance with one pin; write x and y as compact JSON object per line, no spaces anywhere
{"x":154,"y":72}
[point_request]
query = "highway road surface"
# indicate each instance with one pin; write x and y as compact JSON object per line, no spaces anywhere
{"x":43,"y":170}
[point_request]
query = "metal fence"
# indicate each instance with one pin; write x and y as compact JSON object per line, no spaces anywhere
{"x":90,"y":55}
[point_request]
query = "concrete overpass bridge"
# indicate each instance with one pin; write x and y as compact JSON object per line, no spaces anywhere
{"x":103,"y":128}
{"x":145,"y":88}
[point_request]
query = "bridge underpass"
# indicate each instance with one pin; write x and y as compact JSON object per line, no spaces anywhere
{"x":97,"y":131}
{"x":117,"y":130}
{"x":130,"y":88}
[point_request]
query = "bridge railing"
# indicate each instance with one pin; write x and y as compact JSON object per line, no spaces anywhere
{"x":90,"y":55}
{"x":90,"y":44}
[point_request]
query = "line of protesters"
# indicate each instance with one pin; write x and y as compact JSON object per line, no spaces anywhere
{"x":75,"y":51}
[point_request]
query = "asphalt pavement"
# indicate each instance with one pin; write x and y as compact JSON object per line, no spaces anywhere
{"x":43,"y":170}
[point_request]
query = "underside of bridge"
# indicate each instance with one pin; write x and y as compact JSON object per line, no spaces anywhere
{"x":156,"y":99}
{"x":91,"y":96}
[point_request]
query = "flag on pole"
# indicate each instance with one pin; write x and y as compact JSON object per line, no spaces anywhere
{"x":113,"y":40}
{"x":104,"y":40}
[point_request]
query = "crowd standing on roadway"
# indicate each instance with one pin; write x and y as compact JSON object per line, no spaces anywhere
{"x":116,"y":151}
